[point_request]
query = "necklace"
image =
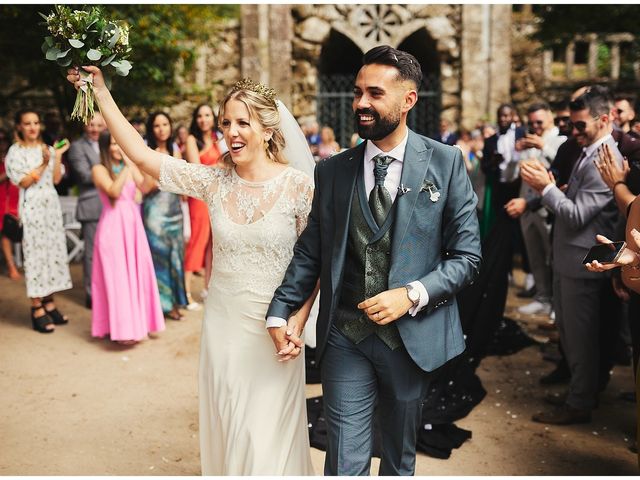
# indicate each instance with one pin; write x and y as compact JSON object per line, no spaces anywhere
{"x":116,"y":169}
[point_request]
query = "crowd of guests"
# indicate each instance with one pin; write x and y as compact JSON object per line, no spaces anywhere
{"x":550,"y":181}
{"x":552,"y":184}
{"x":142,"y":245}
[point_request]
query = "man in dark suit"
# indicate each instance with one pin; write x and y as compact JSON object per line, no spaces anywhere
{"x":500,"y":160}
{"x":447,"y":136}
{"x":83,"y":155}
{"x":586,"y":208}
{"x":392,"y":236}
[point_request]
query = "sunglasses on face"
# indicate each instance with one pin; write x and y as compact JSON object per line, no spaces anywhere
{"x":537,"y":122}
{"x":620,"y":111}
{"x":580,"y":126}
{"x":559,"y":120}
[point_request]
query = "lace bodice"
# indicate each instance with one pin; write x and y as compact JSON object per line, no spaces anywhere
{"x":255,"y":224}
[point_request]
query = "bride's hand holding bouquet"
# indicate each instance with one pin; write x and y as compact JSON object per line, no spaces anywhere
{"x":79,"y":37}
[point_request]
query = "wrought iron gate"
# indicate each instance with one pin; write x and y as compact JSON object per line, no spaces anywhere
{"x":335,"y":96}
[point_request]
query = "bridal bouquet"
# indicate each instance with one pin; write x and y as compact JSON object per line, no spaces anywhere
{"x":86,"y":37}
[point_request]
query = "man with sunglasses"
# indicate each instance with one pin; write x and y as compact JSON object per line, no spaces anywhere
{"x":624,"y":113}
{"x":540,"y":144}
{"x":562,"y":118}
{"x":583,"y":210}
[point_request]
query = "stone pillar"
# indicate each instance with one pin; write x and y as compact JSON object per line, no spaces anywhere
{"x":547,"y":61}
{"x":592,"y":65}
{"x":201,"y":66}
{"x":486,"y":60}
{"x":615,"y":61}
{"x":267,"y":33}
{"x":280,"y":51}
{"x":570,"y":59}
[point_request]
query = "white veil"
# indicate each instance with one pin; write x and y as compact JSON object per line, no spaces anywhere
{"x":297,"y":151}
{"x":296,"y":148}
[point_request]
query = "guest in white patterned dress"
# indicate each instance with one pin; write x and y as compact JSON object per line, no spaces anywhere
{"x":35,"y":168}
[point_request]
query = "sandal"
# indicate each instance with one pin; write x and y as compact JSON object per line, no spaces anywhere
{"x":174,"y":315}
{"x":58,"y":318}
{"x":41,"y":323}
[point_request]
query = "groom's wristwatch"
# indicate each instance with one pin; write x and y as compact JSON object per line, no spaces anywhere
{"x":413,"y":294}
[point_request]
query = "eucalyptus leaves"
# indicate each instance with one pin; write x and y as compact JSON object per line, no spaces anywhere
{"x":81,"y":37}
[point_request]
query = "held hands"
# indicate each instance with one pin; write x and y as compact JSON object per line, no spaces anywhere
{"x":287,"y":338}
{"x":388,"y":306}
{"x":609,"y":170}
{"x":627,"y":258}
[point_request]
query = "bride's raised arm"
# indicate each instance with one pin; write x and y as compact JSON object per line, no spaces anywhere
{"x":148,"y":160}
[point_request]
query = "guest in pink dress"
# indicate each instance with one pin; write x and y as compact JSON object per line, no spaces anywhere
{"x":126,"y":301}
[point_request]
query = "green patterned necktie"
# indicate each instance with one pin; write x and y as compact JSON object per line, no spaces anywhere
{"x":379,"y":199}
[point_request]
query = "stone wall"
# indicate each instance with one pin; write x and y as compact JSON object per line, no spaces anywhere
{"x":216,"y":69}
{"x":486,"y":59}
{"x":377,"y":24}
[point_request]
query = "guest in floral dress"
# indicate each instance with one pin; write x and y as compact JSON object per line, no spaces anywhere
{"x":35,"y":168}
{"x":163,"y":222}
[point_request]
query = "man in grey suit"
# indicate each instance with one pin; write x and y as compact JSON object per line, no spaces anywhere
{"x":392,"y":236}
{"x":83,"y":155}
{"x":584,"y":210}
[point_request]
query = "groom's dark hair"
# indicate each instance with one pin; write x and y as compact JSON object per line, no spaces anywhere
{"x":407,"y":65}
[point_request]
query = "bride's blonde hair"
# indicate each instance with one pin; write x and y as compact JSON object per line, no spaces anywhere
{"x":263,"y":109}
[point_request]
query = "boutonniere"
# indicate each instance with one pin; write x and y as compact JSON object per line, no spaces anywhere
{"x":402,"y":190}
{"x":428,"y":186}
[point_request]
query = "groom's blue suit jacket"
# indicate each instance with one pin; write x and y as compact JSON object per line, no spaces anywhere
{"x":437,"y":243}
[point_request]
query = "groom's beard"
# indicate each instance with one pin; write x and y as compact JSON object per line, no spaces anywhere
{"x":380,"y":128}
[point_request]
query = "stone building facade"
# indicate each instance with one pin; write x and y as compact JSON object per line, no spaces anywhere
{"x":464,"y":49}
{"x":311,"y":53}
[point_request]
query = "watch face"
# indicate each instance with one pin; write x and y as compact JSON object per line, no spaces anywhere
{"x":413,"y":294}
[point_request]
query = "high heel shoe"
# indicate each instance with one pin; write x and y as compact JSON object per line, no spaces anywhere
{"x":56,"y":316}
{"x":40,"y":324}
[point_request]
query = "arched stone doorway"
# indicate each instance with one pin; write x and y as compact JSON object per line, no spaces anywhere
{"x":339,"y":62}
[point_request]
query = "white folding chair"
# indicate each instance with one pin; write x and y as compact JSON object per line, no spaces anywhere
{"x":72,"y":226}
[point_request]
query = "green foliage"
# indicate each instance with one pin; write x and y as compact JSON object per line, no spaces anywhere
{"x":160,"y":36}
{"x":604,"y":60}
{"x":562,"y":22}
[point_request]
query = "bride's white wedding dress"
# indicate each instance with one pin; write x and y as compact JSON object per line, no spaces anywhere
{"x":253,"y":418}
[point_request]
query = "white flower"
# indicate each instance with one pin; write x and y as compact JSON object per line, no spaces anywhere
{"x":124,"y":36}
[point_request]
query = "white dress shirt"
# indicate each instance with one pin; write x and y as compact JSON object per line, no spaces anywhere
{"x":391,"y":182}
{"x":95,"y":145}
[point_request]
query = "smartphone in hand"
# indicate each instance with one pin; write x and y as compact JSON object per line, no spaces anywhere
{"x":60,"y":143}
{"x":605,"y":252}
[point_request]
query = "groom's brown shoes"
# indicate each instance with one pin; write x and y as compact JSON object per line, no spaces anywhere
{"x":564,"y":415}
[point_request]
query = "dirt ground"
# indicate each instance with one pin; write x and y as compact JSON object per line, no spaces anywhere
{"x":73,"y":405}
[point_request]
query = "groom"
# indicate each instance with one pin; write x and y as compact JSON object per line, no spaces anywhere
{"x":392,"y":235}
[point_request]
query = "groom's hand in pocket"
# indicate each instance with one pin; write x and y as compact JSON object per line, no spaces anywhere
{"x":387,"y":306}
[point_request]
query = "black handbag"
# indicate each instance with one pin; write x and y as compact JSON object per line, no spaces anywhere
{"x":12,"y":228}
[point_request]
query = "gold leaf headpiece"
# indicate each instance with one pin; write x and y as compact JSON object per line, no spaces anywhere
{"x":259,"y":88}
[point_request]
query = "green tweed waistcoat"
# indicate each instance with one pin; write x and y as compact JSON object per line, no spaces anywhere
{"x":366,"y":273}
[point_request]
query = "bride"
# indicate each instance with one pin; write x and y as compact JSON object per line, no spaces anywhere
{"x":253,"y":417}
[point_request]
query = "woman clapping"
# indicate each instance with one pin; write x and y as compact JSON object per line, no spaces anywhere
{"x":35,"y":168}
